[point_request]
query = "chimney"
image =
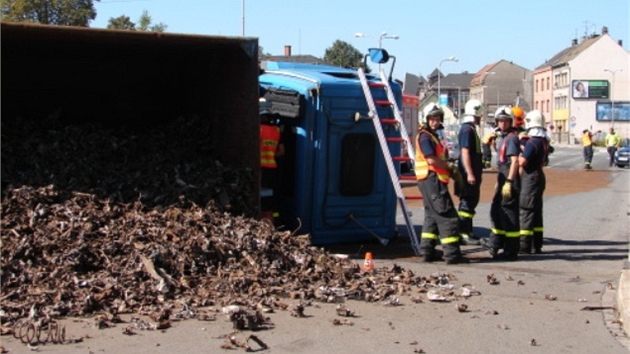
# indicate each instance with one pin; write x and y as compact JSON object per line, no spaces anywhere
{"x":574,"y":42}
{"x":604,"y":30}
{"x":287,"y":50}
{"x":620,"y":42}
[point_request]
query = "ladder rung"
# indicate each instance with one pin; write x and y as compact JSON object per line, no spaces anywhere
{"x":382,"y":103}
{"x":376,"y":84}
{"x":401,"y":158}
{"x":395,"y":140}
{"x":389,"y":121}
{"x":413,"y":197}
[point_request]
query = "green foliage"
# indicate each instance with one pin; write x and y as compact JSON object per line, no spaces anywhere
{"x":121,"y":23}
{"x":144,"y":23}
{"x":344,"y":55}
{"x":49,"y":12}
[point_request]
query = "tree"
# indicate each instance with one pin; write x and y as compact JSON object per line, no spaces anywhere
{"x":144,"y":23}
{"x":49,"y":12}
{"x":345,"y":55}
{"x":122,"y":23}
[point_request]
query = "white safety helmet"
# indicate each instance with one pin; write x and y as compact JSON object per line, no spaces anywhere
{"x":504,"y":112}
{"x":535,"y":119}
{"x":473,"y":108}
{"x":432,"y":109}
{"x":264,"y":107}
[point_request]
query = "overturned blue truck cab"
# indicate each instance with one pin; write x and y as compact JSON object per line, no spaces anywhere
{"x":334,"y":182}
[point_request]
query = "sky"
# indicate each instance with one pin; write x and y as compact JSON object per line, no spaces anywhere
{"x":476,"y":32}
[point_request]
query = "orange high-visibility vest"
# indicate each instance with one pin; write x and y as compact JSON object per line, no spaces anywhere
{"x":422,"y":167}
{"x":269,"y":141}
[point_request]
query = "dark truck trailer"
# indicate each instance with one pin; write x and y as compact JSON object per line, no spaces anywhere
{"x":139,"y":80}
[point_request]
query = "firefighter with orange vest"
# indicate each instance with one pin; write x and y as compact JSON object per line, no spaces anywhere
{"x":270,"y":149}
{"x":433,"y":173}
{"x":504,"y":209}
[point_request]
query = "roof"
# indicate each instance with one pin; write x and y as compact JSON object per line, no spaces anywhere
{"x":307,"y":59}
{"x":480,"y":75}
{"x":461,"y":80}
{"x":569,"y":53}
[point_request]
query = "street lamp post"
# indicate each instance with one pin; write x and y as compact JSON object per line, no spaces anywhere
{"x":612,"y":102}
{"x":440,"y":72}
{"x":380,"y":38}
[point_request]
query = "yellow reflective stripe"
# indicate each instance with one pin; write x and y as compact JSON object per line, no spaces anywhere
{"x":276,"y":214}
{"x":512,"y":234}
{"x":538,"y":229}
{"x":429,"y":235}
{"x":527,"y":233}
{"x":465,"y":214}
{"x":498,"y":232}
{"x":450,"y":239}
{"x":443,"y":177}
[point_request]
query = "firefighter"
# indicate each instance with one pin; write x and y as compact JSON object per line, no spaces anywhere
{"x":519,"y":122}
{"x":504,"y":209}
{"x":270,"y":149}
{"x":471,"y":168}
{"x":487,"y":145}
{"x":587,"y":143}
{"x":533,"y":183}
{"x":433,"y":173}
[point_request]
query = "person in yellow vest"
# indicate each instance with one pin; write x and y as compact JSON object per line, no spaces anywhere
{"x":613,"y":141}
{"x":587,"y":143}
{"x":270,"y":149}
{"x":433,"y":173}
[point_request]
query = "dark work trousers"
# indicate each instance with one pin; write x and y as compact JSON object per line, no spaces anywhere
{"x":588,"y":156}
{"x":504,"y":216}
{"x":468,"y":201}
{"x":531,"y":202}
{"x":440,"y":218}
{"x":486,"y":155}
{"x":611,"y":153}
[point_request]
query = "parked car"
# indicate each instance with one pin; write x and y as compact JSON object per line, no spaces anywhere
{"x":622,"y":155}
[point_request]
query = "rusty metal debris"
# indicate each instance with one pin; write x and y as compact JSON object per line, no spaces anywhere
{"x":492,"y":279}
{"x":105,"y":222}
{"x":551,"y":297}
{"x":233,"y":342}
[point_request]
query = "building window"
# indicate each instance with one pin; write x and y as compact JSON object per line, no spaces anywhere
{"x":536,"y":85}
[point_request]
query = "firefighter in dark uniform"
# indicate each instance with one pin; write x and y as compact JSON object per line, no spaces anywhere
{"x":533,"y":183}
{"x":433,"y":173}
{"x":471,"y":168}
{"x":504,"y":210}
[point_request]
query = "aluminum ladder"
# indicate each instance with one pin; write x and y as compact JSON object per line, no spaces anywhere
{"x":388,"y":157}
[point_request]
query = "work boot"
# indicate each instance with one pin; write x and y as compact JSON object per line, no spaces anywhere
{"x":465,"y":239}
{"x":429,"y":256}
{"x":459,"y":259}
{"x":487,"y":244}
{"x":506,"y":256}
{"x":526,"y":245}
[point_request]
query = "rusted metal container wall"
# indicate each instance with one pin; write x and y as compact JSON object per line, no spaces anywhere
{"x":136,"y":78}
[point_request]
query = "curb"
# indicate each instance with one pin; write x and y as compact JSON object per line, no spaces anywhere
{"x":623,"y":300}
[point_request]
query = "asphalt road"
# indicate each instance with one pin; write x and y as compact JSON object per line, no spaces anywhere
{"x":556,"y":302}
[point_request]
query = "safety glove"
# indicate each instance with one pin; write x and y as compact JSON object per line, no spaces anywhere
{"x":506,"y":191}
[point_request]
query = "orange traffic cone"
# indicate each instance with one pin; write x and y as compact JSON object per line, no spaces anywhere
{"x":368,"y":264}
